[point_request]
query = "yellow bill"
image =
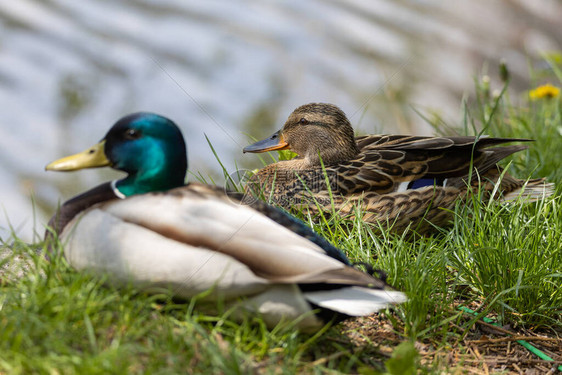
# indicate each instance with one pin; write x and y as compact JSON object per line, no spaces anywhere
{"x":93,"y":157}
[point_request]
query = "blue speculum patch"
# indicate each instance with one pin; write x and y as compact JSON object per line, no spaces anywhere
{"x":423,"y":182}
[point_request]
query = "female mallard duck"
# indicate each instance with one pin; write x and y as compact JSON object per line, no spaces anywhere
{"x":396,"y":180}
{"x":155,"y":232}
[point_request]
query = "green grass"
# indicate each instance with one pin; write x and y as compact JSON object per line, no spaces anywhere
{"x":502,"y":260}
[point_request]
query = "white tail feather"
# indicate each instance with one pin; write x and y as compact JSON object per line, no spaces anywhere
{"x":530,"y":193}
{"x":355,"y":301}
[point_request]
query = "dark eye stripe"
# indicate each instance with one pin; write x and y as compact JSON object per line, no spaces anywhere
{"x":308,"y":123}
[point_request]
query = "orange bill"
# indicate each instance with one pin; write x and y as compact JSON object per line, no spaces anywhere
{"x":275,"y":142}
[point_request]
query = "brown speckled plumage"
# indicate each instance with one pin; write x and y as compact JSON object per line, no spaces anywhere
{"x":373,"y":172}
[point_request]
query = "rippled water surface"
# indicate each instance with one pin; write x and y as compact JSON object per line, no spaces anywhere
{"x":69,"y":69}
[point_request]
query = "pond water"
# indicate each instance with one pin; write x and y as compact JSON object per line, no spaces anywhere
{"x":226,"y":69}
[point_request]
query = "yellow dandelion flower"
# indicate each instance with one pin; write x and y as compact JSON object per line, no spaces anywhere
{"x":544,"y":91}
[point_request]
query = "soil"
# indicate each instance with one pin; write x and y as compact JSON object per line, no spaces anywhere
{"x":485,"y":349}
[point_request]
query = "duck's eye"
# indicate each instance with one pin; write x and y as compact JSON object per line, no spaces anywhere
{"x":132,"y":134}
{"x":303,"y":121}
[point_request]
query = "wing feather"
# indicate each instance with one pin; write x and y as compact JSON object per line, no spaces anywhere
{"x":214,"y":223}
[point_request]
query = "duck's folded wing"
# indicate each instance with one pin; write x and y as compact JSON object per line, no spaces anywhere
{"x":386,"y":162}
{"x":292,"y":223}
{"x":101,"y":242}
{"x":272,"y":252}
{"x":438,"y":156}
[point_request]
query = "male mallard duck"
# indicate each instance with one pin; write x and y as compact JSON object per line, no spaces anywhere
{"x":155,"y":232}
{"x":397,"y":180}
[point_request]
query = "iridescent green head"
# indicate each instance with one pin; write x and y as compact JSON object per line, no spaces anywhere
{"x":148,"y":147}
